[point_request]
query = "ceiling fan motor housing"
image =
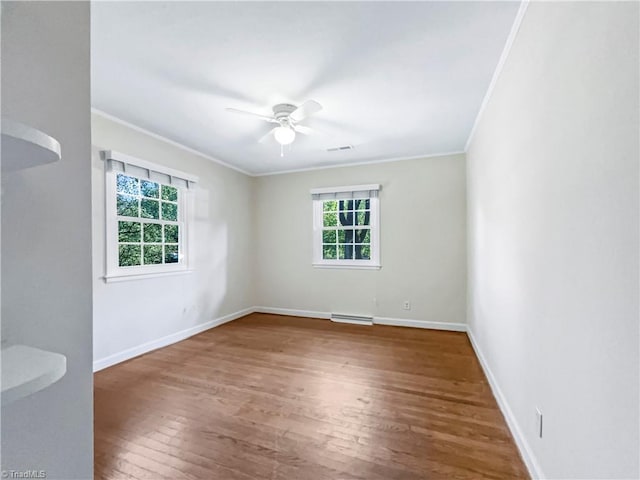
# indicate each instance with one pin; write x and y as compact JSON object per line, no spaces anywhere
{"x":282,"y":111}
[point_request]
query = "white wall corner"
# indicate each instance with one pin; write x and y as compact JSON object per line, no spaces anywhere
{"x":496,"y":73}
{"x":529,"y":458}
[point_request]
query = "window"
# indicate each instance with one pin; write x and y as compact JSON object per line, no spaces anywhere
{"x":346,"y":223}
{"x":147,"y":218}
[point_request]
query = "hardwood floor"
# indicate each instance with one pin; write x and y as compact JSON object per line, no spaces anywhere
{"x":271,"y":397}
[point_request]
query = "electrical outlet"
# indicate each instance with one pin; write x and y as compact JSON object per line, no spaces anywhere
{"x":539,"y":422}
{"x":406,"y":305}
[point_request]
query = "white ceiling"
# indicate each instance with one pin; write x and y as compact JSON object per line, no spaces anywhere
{"x":396,"y":79}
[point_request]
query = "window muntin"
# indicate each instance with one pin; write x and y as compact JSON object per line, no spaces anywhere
{"x":149,"y":211}
{"x":346,"y":227}
{"x":148,"y":222}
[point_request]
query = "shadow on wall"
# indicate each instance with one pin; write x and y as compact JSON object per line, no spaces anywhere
{"x":210,"y":258}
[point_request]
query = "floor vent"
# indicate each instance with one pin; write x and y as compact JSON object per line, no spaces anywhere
{"x":355,"y":319}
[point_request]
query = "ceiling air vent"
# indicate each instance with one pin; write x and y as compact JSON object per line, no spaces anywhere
{"x":339,"y":149}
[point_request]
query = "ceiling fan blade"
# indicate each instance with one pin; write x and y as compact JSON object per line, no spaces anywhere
{"x":244,"y":112}
{"x":268,"y":136}
{"x":304,"y":130}
{"x":305,"y":110}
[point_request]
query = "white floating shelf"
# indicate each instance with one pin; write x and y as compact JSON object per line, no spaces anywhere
{"x":27,"y":370}
{"x":26,"y":147}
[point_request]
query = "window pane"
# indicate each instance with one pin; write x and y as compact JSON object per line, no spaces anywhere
{"x":363,"y":236}
{"x":329,"y":236}
{"x":361,"y":204}
{"x":344,"y":205}
{"x":150,"y":208}
{"x":169,"y":193}
{"x":169,"y":211}
{"x":363,"y":218}
{"x":128,"y":255}
{"x":128,"y":232}
{"x":330,"y":220}
{"x":152,"y":234}
{"x":128,"y":206}
{"x":152,"y":254}
{"x":170,"y":254}
{"x":171,"y":233}
{"x":362,"y":252}
{"x":330,"y":206}
{"x":127,"y":184}
{"x":149,"y":189}
{"x":329,"y":252}
{"x":346,"y":218}
{"x":345,"y":236}
{"x":345,"y":251}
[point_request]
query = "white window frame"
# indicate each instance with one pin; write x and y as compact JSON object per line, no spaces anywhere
{"x":319,"y":195}
{"x":116,"y":163}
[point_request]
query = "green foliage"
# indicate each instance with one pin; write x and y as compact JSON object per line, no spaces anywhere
{"x":362,"y":218}
{"x":149,"y":189}
{"x":150,"y":208}
{"x":329,"y":206}
{"x":345,"y":252}
{"x":170,"y":211}
{"x":129,"y":232}
{"x":330,"y":219}
{"x":171,"y":234}
{"x":169,"y":193}
{"x":329,"y":252}
{"x":152,"y":254}
{"x":127,"y":206}
{"x":144,"y":243}
{"x":152,"y":234}
{"x":362,"y":204}
{"x":329,"y":236}
{"x":128,"y":255}
{"x":363,"y":236}
{"x":346,"y":243}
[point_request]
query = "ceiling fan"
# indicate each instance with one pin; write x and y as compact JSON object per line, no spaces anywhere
{"x":288,"y":118}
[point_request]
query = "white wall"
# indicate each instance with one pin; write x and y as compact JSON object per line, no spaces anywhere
{"x":423,"y":249}
{"x":130,"y":314}
{"x":553,"y":236}
{"x":46,"y":235}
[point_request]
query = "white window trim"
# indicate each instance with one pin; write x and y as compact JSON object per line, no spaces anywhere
{"x":374,"y":222}
{"x":116,"y":273}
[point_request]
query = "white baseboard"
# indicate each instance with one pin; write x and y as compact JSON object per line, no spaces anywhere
{"x":397,"y":322}
{"x":521,"y":442}
{"x":292,"y":312}
{"x":167,"y":340}
{"x":406,"y":322}
{"x":189,"y":332}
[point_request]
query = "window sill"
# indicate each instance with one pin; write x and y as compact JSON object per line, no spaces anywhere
{"x":142,"y":276}
{"x":348,"y":267}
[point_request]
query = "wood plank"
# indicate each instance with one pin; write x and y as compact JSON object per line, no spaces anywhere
{"x":273,"y":397}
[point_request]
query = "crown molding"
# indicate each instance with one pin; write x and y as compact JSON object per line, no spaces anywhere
{"x":173,"y":143}
{"x":358,"y":164}
{"x":496,"y":74}
{"x":181,"y":146}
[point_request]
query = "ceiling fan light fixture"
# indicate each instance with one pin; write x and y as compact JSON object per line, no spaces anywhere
{"x":284,"y":135}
